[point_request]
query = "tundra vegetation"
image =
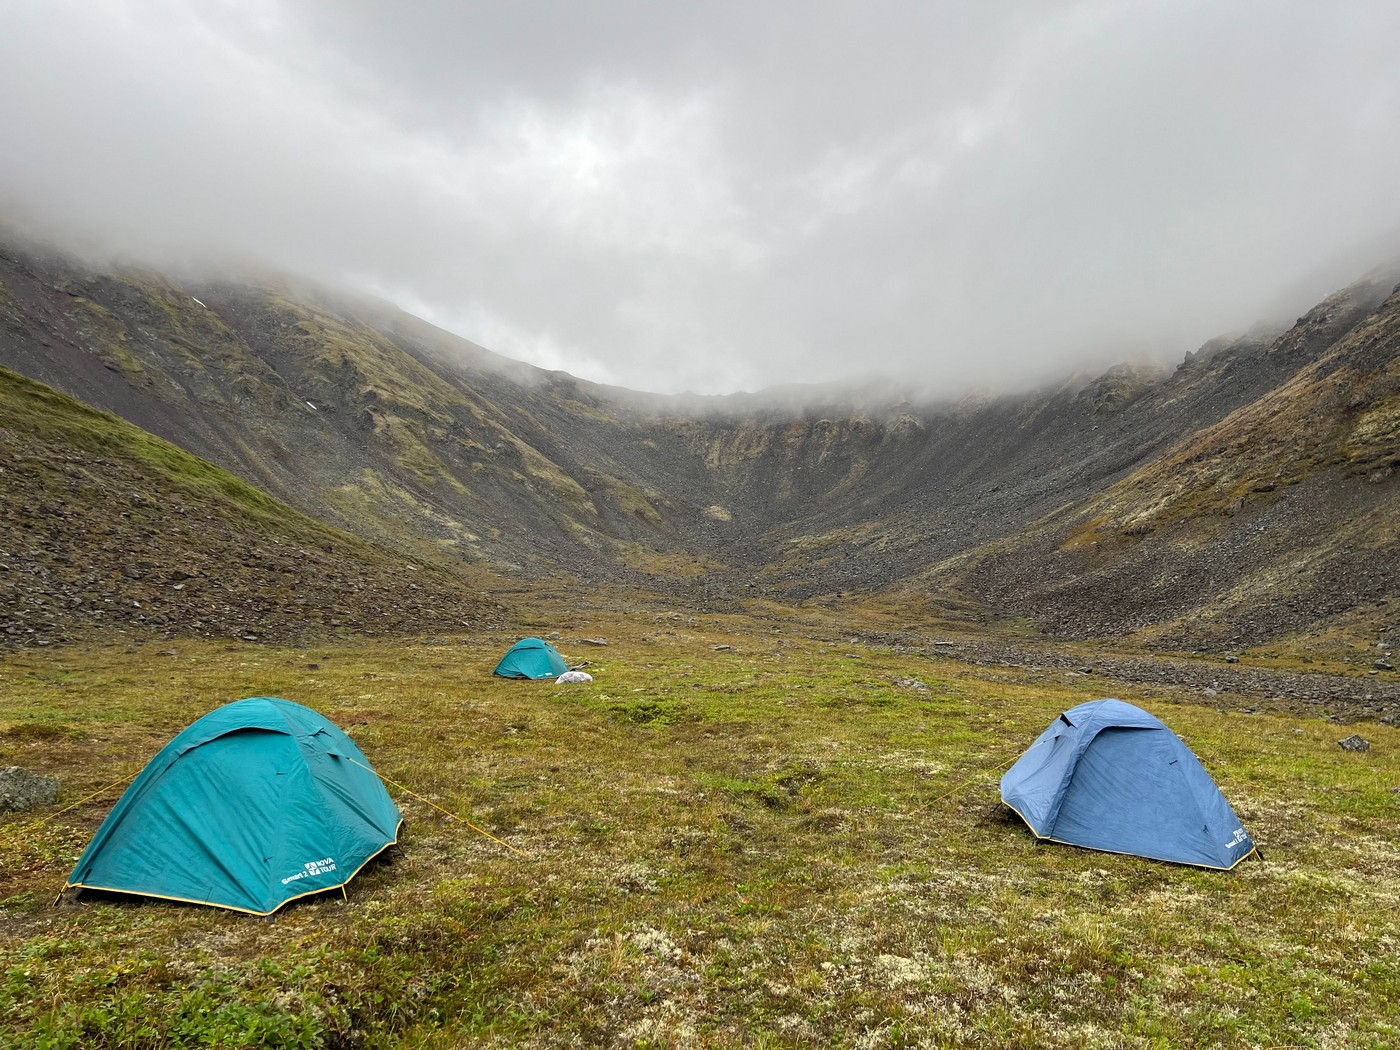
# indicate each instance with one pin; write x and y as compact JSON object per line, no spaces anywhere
{"x":792,"y":841}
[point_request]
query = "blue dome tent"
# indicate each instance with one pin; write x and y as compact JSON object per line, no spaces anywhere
{"x":531,"y":658}
{"x":257,"y":803}
{"x":1108,"y":776}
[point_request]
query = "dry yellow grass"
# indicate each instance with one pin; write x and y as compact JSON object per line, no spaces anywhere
{"x":783,"y":843}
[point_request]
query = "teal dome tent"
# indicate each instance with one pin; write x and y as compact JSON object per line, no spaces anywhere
{"x":257,"y":803}
{"x":531,"y":658}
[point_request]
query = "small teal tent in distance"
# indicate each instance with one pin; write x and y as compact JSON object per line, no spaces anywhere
{"x":1109,"y":776}
{"x":531,"y":658}
{"x":258,"y":803}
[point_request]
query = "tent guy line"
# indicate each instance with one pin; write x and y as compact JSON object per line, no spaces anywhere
{"x":87,"y":798}
{"x":1006,"y":758}
{"x":440,"y":809}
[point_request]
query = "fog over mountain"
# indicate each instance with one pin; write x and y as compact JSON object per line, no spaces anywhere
{"x":729,"y":196}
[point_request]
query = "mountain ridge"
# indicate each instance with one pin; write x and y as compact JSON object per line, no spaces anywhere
{"x":381,"y":424}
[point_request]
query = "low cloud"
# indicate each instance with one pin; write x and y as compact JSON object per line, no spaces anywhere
{"x":721,"y":197}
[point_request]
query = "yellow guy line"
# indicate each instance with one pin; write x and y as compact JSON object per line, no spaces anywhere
{"x":981,"y":772}
{"x":435,"y":806}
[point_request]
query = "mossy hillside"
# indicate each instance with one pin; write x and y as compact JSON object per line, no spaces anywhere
{"x":403,"y":519}
{"x":157,"y":334}
{"x":788,"y":842}
{"x":182,"y":324}
{"x":1276,"y":522}
{"x":339,"y":357}
{"x":274,"y":384}
{"x":834,"y":454}
{"x":100,"y":330}
{"x":677,"y":566}
{"x":107,"y":528}
{"x":1373,"y":443}
{"x":641,"y":502}
{"x":830,"y":544}
{"x":445,"y":434}
{"x":347,"y":367}
{"x":42,"y":414}
{"x":9,"y":305}
{"x":1340,"y":411}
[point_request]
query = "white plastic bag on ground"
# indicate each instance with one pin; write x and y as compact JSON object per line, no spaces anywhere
{"x":569,"y":677}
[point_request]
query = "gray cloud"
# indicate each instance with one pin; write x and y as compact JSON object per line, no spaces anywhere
{"x":730,"y":195}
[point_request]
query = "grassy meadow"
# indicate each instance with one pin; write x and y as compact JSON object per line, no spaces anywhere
{"x":790,"y":842}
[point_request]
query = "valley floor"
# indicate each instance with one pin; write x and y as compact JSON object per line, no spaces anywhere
{"x":749,"y":830}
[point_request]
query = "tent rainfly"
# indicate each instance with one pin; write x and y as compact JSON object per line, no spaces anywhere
{"x":1109,"y":776}
{"x":258,"y":803}
{"x":531,"y":658}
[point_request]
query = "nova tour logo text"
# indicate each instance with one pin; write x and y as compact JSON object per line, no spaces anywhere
{"x":312,"y":867}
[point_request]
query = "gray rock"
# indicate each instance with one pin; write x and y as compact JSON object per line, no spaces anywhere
{"x":1354,"y":743}
{"x":594,"y":641}
{"x":1384,"y":665}
{"x":21,"y":789}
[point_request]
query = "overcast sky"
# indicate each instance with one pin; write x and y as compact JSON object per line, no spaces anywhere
{"x":719,"y":196}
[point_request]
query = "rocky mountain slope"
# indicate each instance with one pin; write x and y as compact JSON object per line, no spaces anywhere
{"x":347,"y":412}
{"x":1135,"y":501}
{"x":1283,"y":516}
{"x":105,"y":527}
